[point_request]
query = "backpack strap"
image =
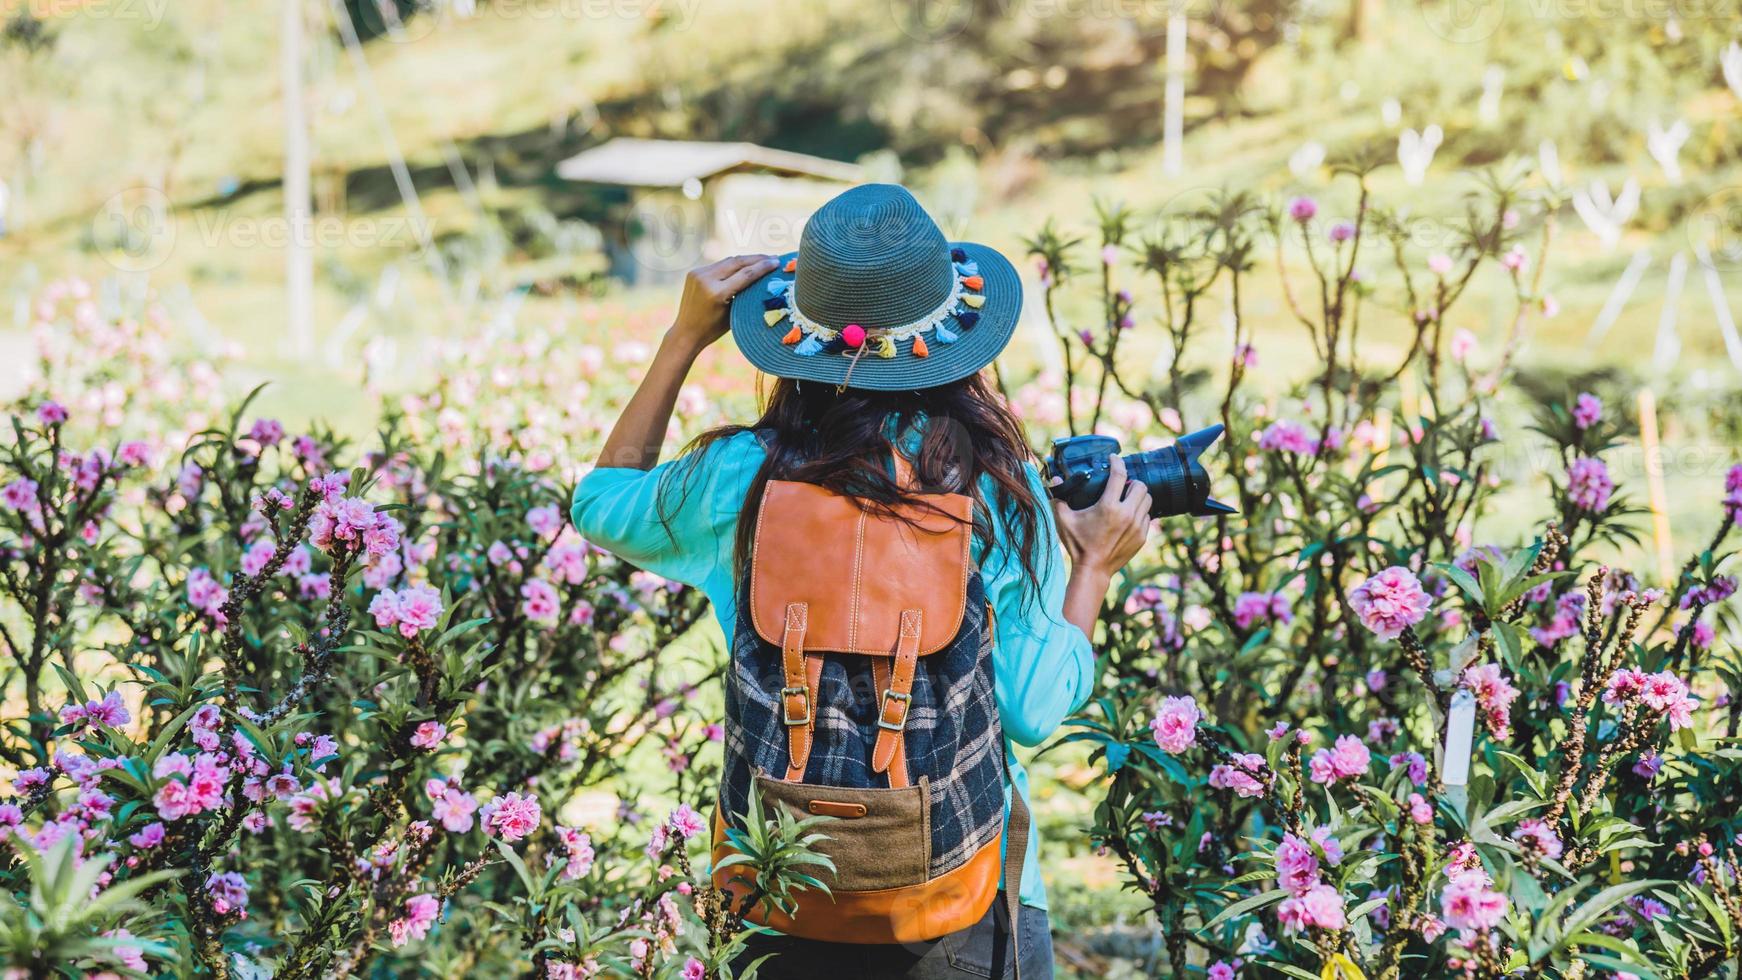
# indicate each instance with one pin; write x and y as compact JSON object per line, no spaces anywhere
{"x":798,"y":698}
{"x":895,"y":698}
{"x":1015,"y":852}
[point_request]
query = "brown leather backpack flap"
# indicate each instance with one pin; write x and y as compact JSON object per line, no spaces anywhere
{"x":857,"y":571}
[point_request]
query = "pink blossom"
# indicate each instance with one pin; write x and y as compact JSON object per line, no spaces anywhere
{"x":1494,"y":695}
{"x":1514,"y":260}
{"x":1390,"y":602}
{"x":258,"y":554}
{"x":450,"y":805}
{"x":267,"y":432}
{"x":1589,"y":485}
{"x":580,"y":852}
{"x":429,"y":735}
{"x":1297,"y":866}
{"x":1302,"y":209}
{"x":1536,"y":835}
{"x":1439,"y":264}
{"x":1347,"y":759}
{"x":1175,"y":725}
{"x":229,"y":893}
{"x":1587,"y":410}
{"x":51,"y":413}
{"x":147,"y":837}
{"x":1469,"y":903}
{"x":511,"y":816}
{"x":1420,"y":810}
{"x":1255,"y":607}
{"x":1220,"y":970}
{"x":420,"y":914}
{"x":1240,"y":777}
{"x":131,"y":957}
{"x":1286,"y":436}
{"x":545,"y":522}
{"x":133,"y":454}
{"x":1341,"y":232}
{"x":20,"y":495}
{"x":539,"y":601}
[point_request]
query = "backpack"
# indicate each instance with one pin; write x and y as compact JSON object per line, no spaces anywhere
{"x":861,"y":687}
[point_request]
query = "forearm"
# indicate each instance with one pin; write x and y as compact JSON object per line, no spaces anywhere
{"x":635,"y":441}
{"x":1085,"y":591}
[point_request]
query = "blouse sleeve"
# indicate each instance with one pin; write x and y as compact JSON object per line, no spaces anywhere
{"x":690,"y":537}
{"x":1043,"y":666}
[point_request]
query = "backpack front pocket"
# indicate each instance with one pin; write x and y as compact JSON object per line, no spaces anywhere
{"x":880,"y":838}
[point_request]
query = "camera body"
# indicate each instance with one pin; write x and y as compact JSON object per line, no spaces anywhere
{"x":1176,"y":479}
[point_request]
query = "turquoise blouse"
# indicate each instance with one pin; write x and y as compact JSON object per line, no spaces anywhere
{"x":1043,"y":666}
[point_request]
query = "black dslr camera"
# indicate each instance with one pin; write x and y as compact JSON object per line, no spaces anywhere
{"x":1176,"y":480}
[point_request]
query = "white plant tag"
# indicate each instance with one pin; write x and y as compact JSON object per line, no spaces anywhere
{"x":1460,"y":734}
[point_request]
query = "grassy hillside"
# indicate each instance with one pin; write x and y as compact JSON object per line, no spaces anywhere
{"x":1000,"y":120}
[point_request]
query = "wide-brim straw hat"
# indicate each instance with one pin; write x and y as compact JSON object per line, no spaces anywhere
{"x":877,"y":298}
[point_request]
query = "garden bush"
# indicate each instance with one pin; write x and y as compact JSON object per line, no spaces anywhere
{"x":290,"y":704}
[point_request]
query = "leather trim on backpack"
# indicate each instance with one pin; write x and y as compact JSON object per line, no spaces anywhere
{"x":914,"y":914}
{"x":857,"y":571}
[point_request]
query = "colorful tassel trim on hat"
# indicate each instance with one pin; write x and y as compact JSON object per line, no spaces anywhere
{"x":807,"y":338}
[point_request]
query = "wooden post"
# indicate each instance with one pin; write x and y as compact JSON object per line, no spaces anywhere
{"x":1654,"y":486}
{"x":1174,"y":95}
{"x":299,"y":259}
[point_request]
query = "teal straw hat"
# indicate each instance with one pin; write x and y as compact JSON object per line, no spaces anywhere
{"x":877,"y":298}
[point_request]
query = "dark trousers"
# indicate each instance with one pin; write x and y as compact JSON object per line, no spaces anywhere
{"x":979,"y":952}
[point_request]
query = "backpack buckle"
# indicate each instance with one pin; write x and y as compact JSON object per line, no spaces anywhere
{"x":902,"y":700}
{"x":804,"y":694}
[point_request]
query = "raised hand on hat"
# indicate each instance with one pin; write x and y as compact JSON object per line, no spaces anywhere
{"x":707,"y":296}
{"x":636,"y":439}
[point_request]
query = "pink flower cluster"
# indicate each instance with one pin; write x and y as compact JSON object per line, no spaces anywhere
{"x":681,"y":825}
{"x":1587,"y":410}
{"x":1347,"y":758}
{"x":1494,"y":695}
{"x":1469,"y":901}
{"x":207,"y":596}
{"x":420,"y":914}
{"x":1663,"y":693}
{"x":511,"y":816}
{"x":579,"y":848}
{"x":340,"y":522}
{"x":1241,"y":775}
{"x":452,"y":806}
{"x":200,"y":786}
{"x":1588,"y":484}
{"x":1175,"y":725}
{"x":1252,"y":608}
{"x":1310,"y":901}
{"x":228,"y":892}
{"x":1390,"y":602}
{"x":1539,"y":837}
{"x":412,"y":609}
{"x":1287,"y":436}
{"x":109,"y":711}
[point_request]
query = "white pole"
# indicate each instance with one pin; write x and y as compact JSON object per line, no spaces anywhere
{"x":1174,"y":95}
{"x":299,"y":259}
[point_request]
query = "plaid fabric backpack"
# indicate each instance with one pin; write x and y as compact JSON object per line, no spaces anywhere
{"x":861,"y":687}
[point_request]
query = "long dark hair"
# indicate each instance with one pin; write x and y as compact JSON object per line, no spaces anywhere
{"x":841,"y":440}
